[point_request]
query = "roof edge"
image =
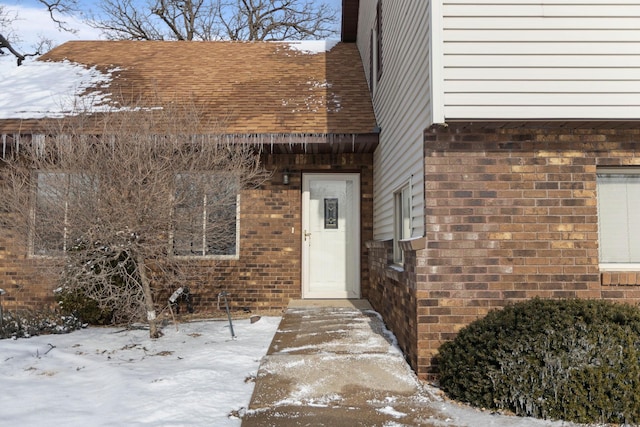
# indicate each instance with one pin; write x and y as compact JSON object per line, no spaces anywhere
{"x":349,"y":27}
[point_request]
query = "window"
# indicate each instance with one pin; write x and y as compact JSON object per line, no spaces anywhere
{"x":619,"y":218}
{"x":375,"y":49}
{"x":371,"y":51}
{"x":379,"y":40}
{"x":58,"y":195}
{"x":402,"y":221}
{"x":205,"y":216}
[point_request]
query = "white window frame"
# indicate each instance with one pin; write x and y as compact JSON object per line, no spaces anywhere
{"x":608,"y":194}
{"x":402,"y":227}
{"x":202,"y":250}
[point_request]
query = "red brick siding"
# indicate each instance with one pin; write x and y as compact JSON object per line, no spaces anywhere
{"x":393,"y":298}
{"x":267,"y":274}
{"x":510,"y":214}
{"x":27,"y":282}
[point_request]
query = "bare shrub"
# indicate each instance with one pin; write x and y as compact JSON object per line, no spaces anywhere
{"x":127,"y":200}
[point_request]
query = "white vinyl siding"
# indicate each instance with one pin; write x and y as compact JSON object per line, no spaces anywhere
{"x":619,"y":218}
{"x":402,"y":106}
{"x":553,"y":59}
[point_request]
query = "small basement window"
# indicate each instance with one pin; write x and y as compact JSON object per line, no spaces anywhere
{"x":402,"y":221}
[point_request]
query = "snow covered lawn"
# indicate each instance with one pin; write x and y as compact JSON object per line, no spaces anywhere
{"x":194,"y":376}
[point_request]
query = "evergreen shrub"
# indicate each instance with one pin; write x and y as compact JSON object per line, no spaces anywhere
{"x":76,"y":303}
{"x":576,"y":360}
{"x":28,"y":323}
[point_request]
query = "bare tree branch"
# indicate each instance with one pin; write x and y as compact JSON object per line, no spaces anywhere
{"x":124,"y":19}
{"x":5,"y":18}
{"x":57,"y":8}
{"x":216,"y":19}
{"x":4,"y":43}
{"x":42,"y":46}
{"x":127,"y":202}
{"x":277,"y":19}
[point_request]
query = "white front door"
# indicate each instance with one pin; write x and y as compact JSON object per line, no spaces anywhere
{"x":331,"y":236}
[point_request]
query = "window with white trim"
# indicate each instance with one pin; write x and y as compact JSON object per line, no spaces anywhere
{"x":205,"y":218}
{"x":58,"y":195}
{"x":619,"y":218}
{"x":402,"y":221}
{"x":375,"y":49}
{"x":204,"y":223}
{"x":378,"y":25}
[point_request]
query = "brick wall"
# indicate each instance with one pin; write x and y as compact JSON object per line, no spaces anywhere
{"x":267,"y":274}
{"x":511,"y":214}
{"x":393,"y":297}
{"x":27,"y":282}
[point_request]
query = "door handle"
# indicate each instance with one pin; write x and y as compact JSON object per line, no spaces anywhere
{"x":307,"y":235}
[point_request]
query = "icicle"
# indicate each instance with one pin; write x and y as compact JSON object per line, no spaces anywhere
{"x":16,"y":139}
{"x":38,"y":142}
{"x":353,"y":142}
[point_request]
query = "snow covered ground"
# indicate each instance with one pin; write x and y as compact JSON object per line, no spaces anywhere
{"x":195,"y":376}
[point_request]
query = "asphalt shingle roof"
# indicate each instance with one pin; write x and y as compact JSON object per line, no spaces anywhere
{"x":256,"y":87}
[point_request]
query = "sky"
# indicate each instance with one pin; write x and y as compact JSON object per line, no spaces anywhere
{"x":34,"y":21}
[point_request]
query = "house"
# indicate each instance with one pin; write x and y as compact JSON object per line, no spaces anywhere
{"x":306,"y":108}
{"x":483,"y":153}
{"x":508,"y":165}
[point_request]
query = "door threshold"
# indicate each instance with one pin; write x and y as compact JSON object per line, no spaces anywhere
{"x":360,"y":304}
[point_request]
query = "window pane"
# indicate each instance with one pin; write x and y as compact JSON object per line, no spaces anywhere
{"x":402,"y":220}
{"x":406,"y":214}
{"x":633,"y":218}
{"x":205,"y":220}
{"x":221,"y":221}
{"x":60,"y":197}
{"x":188,"y":228}
{"x":50,"y":207}
{"x":618,"y":214}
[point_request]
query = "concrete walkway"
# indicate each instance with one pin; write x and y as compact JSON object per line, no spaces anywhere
{"x":333,"y":363}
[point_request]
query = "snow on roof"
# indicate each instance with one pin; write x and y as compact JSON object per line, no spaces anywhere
{"x":57,"y":89}
{"x":312,"y":46}
{"x":49,"y":89}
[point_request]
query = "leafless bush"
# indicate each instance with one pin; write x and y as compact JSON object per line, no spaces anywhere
{"x":127,"y":200}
